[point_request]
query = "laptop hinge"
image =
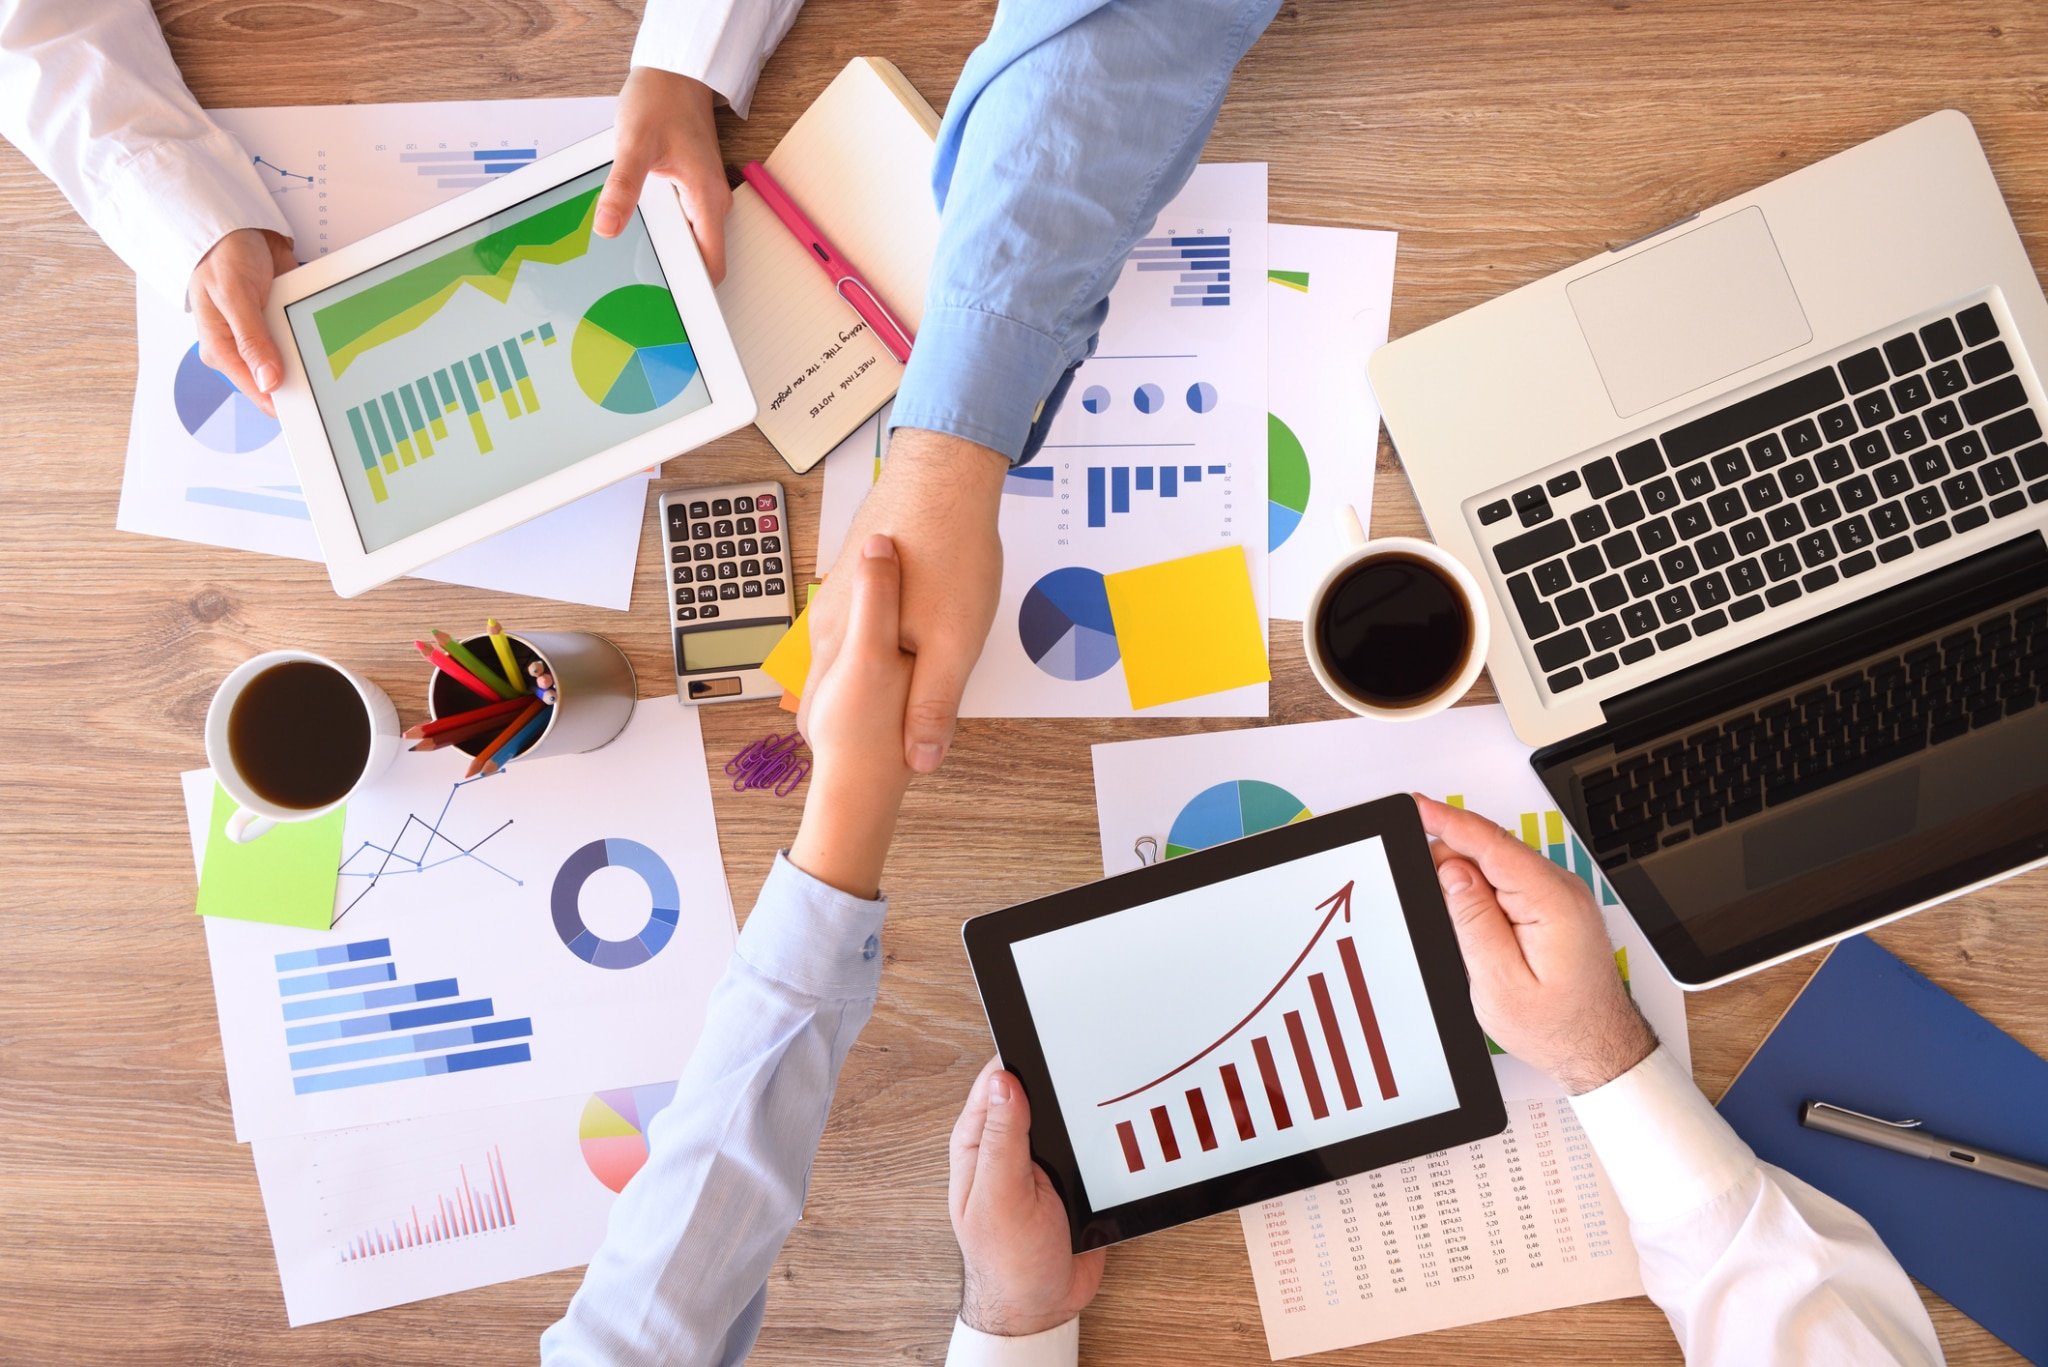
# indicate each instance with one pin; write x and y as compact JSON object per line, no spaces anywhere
{"x":1849,"y":632}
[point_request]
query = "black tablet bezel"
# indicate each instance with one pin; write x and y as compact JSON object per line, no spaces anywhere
{"x":1395,"y":821}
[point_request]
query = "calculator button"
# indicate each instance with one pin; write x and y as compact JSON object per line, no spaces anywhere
{"x":679,"y":554}
{"x":775,"y":586}
{"x":704,"y":575}
{"x":746,"y":526}
{"x":765,"y":503}
{"x":708,"y":611}
{"x":700,"y":509}
{"x":751,"y":589}
{"x":686,"y":614}
{"x":772,"y":565}
{"x":685,"y":597}
{"x":700,"y":530}
{"x":728,"y":570}
{"x":723,"y":527}
{"x":678,"y":522}
{"x":728,"y":592}
{"x":682,"y":574}
{"x":750,"y":547}
{"x":750,"y":568}
{"x":721,"y":507}
{"x":769,"y":524}
{"x":701,"y":551}
{"x":727,"y":550}
{"x":771,"y":545}
{"x":743,"y":504}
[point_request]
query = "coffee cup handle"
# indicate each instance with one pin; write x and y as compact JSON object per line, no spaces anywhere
{"x":1349,"y":527}
{"x":245,"y":825}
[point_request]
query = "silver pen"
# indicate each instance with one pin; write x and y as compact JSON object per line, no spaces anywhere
{"x":1908,"y":1137}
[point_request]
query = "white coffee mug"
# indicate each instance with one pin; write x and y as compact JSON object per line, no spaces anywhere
{"x":254,"y":814}
{"x":1430,"y":552}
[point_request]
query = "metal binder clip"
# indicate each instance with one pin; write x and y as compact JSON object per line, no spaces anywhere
{"x":1147,"y":850}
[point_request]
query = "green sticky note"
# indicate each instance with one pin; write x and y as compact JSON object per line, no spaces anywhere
{"x":285,"y":876}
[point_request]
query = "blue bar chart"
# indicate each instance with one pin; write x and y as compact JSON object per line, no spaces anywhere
{"x":469,"y":168}
{"x":1197,"y":264}
{"x":399,"y":428}
{"x":345,"y":1039}
{"x":1111,"y":487}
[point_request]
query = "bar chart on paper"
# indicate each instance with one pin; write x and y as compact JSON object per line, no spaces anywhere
{"x":1195,"y":264}
{"x":474,"y":1199}
{"x":1112,"y":488}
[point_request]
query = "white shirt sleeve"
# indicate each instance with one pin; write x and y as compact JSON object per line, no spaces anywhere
{"x":1059,"y":1346}
{"x":1750,"y":1264}
{"x":88,"y":91}
{"x":723,"y":43}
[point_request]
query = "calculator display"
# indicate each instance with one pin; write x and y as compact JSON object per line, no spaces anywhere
{"x":743,"y":645}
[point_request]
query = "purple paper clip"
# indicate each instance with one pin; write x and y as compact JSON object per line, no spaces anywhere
{"x":775,"y":762}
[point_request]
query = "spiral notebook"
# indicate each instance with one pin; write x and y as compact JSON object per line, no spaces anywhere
{"x":1869,"y":1033}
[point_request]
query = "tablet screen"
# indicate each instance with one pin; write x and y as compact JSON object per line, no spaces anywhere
{"x":1247,"y":1020}
{"x":503,"y":352}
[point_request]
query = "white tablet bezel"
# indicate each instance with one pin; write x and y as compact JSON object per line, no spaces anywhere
{"x":354,"y":569}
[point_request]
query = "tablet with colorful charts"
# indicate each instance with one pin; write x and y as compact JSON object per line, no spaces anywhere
{"x":493,"y":359}
{"x":1240,"y":1023}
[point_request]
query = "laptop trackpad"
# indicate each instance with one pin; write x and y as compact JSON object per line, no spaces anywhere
{"x":1708,"y":303}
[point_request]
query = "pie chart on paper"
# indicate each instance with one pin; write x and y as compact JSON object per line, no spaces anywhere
{"x":219,"y":416}
{"x":1065,"y":625}
{"x":613,"y":1130}
{"x":1240,"y":807}
{"x":630,"y":352}
{"x":1287,"y":482}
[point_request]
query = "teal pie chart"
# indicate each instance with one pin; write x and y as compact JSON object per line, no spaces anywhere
{"x":566,"y":900}
{"x":1065,"y":625}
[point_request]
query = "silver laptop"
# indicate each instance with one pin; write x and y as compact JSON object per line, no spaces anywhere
{"x":1761,"y":504}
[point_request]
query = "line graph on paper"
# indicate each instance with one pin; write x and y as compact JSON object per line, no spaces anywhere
{"x":421,"y":846}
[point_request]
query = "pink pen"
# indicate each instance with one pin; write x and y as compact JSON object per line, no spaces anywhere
{"x":852,"y":288}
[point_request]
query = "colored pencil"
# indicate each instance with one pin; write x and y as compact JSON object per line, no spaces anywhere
{"x":453,"y":720}
{"x":446,"y":665}
{"x":550,"y":696}
{"x":545,"y":680}
{"x":502,"y":643}
{"x":518,"y":744}
{"x":442,"y":740}
{"x":536,"y":669}
{"x":469,"y":661}
{"x":532,"y":710}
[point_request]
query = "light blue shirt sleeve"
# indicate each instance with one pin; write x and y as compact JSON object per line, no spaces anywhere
{"x":682,"y":1276}
{"x":1071,"y":127}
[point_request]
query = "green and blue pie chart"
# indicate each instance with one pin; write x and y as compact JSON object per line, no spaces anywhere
{"x":630,"y":352}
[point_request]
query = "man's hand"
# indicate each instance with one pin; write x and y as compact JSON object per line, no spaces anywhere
{"x":228,"y":293}
{"x":667,"y":129}
{"x":937,"y":500}
{"x":1021,"y":1276}
{"x":1543,"y":977}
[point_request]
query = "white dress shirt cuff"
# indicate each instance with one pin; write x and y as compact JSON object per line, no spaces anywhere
{"x":724,"y":45}
{"x":1059,"y":1346}
{"x":169,"y":204}
{"x":1666,"y":1150}
{"x":813,"y":938}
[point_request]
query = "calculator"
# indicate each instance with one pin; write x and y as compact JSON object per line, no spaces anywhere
{"x":729,"y":587}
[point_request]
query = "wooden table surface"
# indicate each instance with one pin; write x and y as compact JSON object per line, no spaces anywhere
{"x":1503,"y":141}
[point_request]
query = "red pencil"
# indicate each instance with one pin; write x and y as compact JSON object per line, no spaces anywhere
{"x":455,"y":720}
{"x":457,"y":672}
{"x":488,"y":726}
{"x":532,"y":710}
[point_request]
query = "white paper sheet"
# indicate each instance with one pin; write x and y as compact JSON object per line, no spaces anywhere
{"x":1374,"y":1257}
{"x":210,"y":467}
{"x":1325,"y":428}
{"x":475,"y":922}
{"x":1172,"y":387}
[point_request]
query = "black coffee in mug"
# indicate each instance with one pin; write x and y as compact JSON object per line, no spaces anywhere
{"x":1394,"y":631}
{"x":299,"y":735}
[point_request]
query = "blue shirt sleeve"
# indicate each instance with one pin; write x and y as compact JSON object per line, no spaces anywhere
{"x":1071,"y":127}
{"x":682,"y":1274}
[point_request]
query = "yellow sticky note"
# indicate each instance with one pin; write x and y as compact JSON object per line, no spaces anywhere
{"x":789,"y":664}
{"x":1188,"y":627}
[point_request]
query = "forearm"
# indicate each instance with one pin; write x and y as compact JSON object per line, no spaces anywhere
{"x":90,"y":93}
{"x":1072,"y":125}
{"x":682,"y":1273}
{"x":1749,"y":1263}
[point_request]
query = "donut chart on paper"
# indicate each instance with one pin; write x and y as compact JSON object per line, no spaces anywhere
{"x":613,"y":1130}
{"x":1065,"y":625}
{"x":630,"y":353}
{"x":1229,"y":810}
{"x":219,"y":416}
{"x":1287,"y":482}
{"x":566,"y":903}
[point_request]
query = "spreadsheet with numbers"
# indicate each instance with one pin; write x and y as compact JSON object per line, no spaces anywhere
{"x":1521,"y":1222}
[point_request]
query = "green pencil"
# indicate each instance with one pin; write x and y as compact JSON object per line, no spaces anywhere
{"x":467,"y":658}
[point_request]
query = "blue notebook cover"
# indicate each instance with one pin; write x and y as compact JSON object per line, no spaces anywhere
{"x":1869,"y":1033}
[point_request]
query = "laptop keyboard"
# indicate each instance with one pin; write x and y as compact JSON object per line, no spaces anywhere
{"x":1927,"y":694}
{"x":1915,"y":439}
